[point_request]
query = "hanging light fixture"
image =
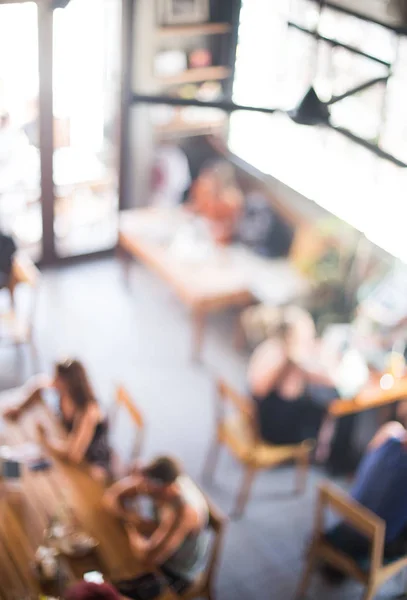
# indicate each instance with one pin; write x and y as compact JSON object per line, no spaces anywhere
{"x":311,"y":110}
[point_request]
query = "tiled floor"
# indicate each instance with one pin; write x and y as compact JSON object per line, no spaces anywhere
{"x":141,"y":337}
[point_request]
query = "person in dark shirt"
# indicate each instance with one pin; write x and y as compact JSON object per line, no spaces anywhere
{"x":381,"y":486}
{"x":291,"y":389}
{"x":80,"y":414}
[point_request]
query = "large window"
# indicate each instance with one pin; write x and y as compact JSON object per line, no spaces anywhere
{"x":86,"y":88}
{"x":86,"y":128}
{"x":20,"y":190}
{"x":275,"y":66}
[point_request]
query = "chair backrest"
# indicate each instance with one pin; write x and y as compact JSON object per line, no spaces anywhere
{"x":124,"y":403}
{"x":228,"y":397}
{"x":217,"y":523}
{"x":360,"y":518}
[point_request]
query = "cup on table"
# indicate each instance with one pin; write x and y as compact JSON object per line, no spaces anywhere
{"x":47,"y":562}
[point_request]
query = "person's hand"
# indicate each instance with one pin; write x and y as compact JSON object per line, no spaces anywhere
{"x":13,"y":413}
{"x":136,"y":468}
{"x":41,"y":431}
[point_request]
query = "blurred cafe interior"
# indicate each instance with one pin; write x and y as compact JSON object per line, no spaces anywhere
{"x":203,"y":299}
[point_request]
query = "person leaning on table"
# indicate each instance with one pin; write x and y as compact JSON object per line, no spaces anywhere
{"x":80,"y":415}
{"x":180,"y":540}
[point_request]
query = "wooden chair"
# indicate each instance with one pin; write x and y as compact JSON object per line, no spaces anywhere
{"x":124,"y":402}
{"x":239,"y":433}
{"x":15,"y":328}
{"x":204,"y":585}
{"x":376,"y":571}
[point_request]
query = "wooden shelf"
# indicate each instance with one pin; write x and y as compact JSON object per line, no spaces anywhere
{"x":184,"y":127}
{"x":199,"y":29}
{"x":196,"y":75}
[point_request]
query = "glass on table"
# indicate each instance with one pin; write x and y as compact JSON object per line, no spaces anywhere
{"x":395,"y":366}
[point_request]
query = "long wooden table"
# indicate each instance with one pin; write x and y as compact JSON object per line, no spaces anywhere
{"x":372,"y":396}
{"x":26,"y":510}
{"x":226,"y":277}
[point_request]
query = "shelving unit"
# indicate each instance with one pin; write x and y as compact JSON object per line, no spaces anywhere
{"x":161,"y":79}
{"x":184,"y":128}
{"x":215,"y":36}
{"x":191,"y":30}
{"x":197,"y":75}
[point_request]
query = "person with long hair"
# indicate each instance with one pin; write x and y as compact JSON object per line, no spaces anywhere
{"x":80,"y":415}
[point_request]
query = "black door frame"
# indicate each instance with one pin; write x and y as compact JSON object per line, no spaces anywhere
{"x":45,"y":28}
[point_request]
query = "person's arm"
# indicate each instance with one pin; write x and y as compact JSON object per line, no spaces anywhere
{"x":32,"y":395}
{"x":166,"y":539}
{"x":164,"y":543}
{"x":146,"y":548}
{"x":76,"y":444}
{"x":394,"y":429}
{"x":314,"y":369}
{"x":315,"y":375}
{"x":114,"y":498}
{"x":265,"y":367}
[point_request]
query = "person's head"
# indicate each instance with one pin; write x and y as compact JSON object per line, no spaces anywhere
{"x":91,"y":591}
{"x":160,"y":476}
{"x":297,"y":329}
{"x":221,"y":171}
{"x":71,"y":379}
{"x":291,"y":325}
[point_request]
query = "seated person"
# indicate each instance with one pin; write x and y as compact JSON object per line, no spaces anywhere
{"x":381,"y":486}
{"x":291,"y":396}
{"x":80,"y":414}
{"x":179,"y":540}
{"x":216,"y":196}
{"x":91,"y":591}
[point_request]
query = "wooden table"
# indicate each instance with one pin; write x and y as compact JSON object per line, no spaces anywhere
{"x":26,"y":513}
{"x":226,"y":277}
{"x":372,"y":396}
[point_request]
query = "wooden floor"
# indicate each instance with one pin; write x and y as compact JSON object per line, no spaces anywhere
{"x":141,"y":338}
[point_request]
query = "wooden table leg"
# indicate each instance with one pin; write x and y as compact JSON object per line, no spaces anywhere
{"x":125,"y":260}
{"x":198,"y":330}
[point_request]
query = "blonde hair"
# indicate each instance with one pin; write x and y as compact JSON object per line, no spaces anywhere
{"x":263,"y":322}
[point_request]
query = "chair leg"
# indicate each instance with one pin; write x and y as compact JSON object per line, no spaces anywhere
{"x":244,"y":492}
{"x":302,"y":473}
{"x":209,"y":594}
{"x":370,"y":592}
{"x":211,"y":461}
{"x":306,"y":576}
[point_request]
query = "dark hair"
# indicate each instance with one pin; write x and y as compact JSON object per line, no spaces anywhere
{"x":91,"y":591}
{"x":283,"y":329}
{"x":164,"y":470}
{"x":74,"y":376}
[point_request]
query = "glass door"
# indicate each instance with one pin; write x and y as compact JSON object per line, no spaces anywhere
{"x":20,"y":186}
{"x":86,"y":89}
